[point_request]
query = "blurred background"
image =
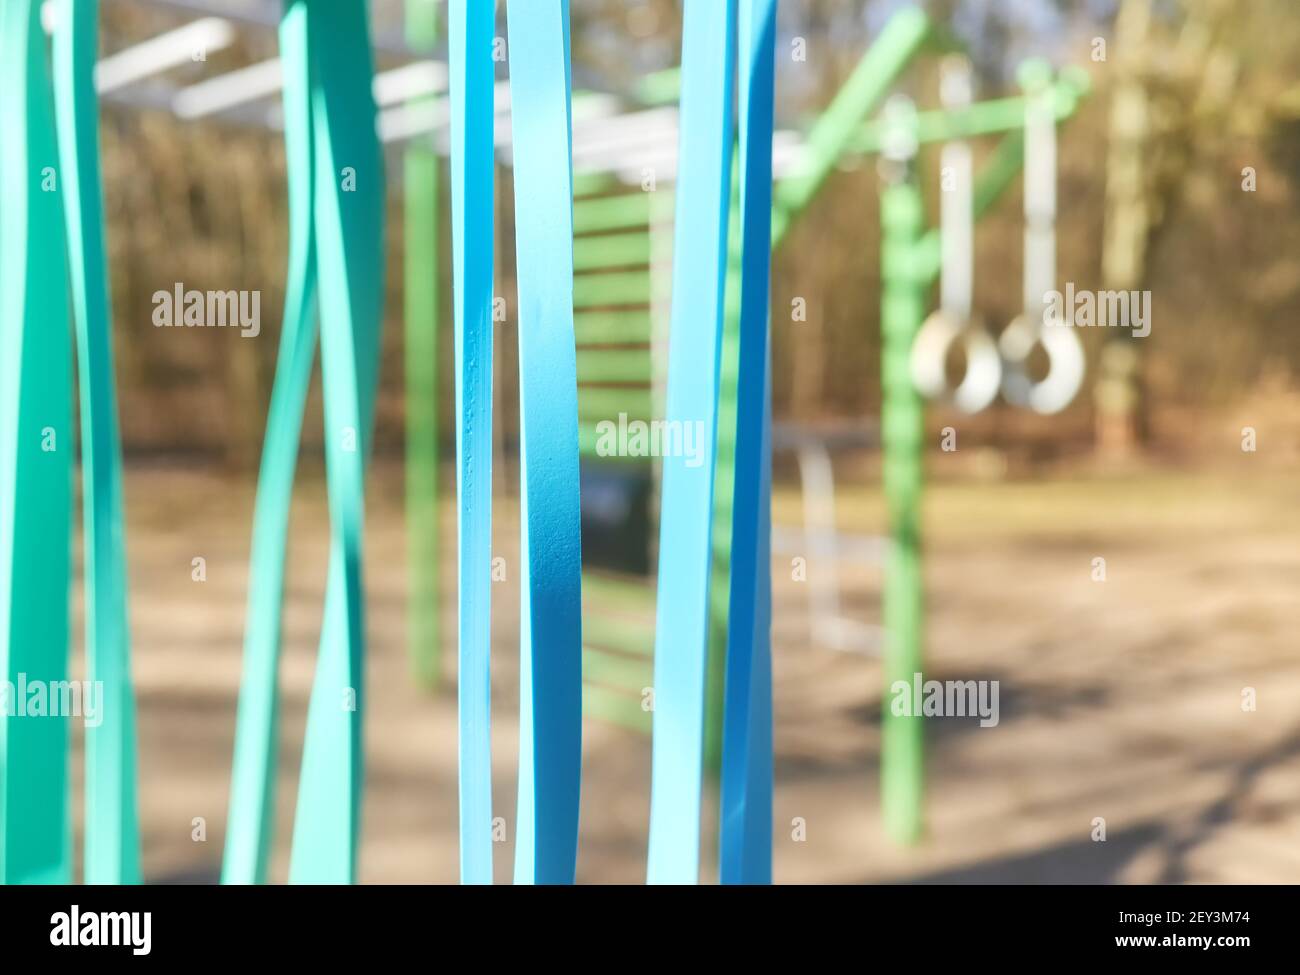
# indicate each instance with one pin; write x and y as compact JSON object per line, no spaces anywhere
{"x":1123,"y":699}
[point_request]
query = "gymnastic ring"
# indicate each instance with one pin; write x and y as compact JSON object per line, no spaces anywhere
{"x":1053,"y":392}
{"x":930,"y":348}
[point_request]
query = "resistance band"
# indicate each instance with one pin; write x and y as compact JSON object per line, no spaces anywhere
{"x":550,"y":650}
{"x":746,"y":820}
{"x":336,"y":222}
{"x":349,"y":207}
{"x":252,"y":791}
{"x":35,"y":459}
{"x":686,"y":506}
{"x":471,"y":25}
{"x":112,"y":833}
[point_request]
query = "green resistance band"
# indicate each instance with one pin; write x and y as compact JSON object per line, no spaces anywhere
{"x":336,"y":217}
{"x":550,"y":651}
{"x":471,"y":26}
{"x":111,"y":818}
{"x":35,"y":458}
{"x":252,"y":792}
{"x":349,"y":207}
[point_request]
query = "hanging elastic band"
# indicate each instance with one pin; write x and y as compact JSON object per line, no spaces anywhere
{"x":686,"y":508}
{"x":349,"y":215}
{"x":252,"y":788}
{"x":112,"y":832}
{"x":550,"y":651}
{"x":36,"y":444}
{"x":471,"y":25}
{"x":746,"y":819}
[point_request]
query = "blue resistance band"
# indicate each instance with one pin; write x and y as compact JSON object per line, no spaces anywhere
{"x":550,"y":652}
{"x":112,"y":833}
{"x":349,"y":209}
{"x":686,"y":506}
{"x":746,"y":818}
{"x":36,"y":445}
{"x":249,"y":830}
{"x":471,"y":26}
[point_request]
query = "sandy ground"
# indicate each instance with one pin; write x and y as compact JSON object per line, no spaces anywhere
{"x":1119,"y":699}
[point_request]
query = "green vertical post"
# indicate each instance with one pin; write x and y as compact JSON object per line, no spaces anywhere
{"x":901,"y":427}
{"x":420,"y":314}
{"x":724,"y":487}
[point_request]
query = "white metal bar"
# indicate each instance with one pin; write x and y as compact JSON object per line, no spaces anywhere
{"x":226,"y":91}
{"x":415,"y":80}
{"x":160,"y":53}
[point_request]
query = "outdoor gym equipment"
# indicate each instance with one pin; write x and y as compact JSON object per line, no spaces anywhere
{"x":911,"y":257}
{"x":953,"y":322}
{"x":1054,"y":391}
{"x":1002,"y":365}
{"x":713,"y":604}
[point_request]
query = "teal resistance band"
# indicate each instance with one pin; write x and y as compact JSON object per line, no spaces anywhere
{"x":686,"y":506}
{"x":35,"y":458}
{"x":336,"y":213}
{"x":112,"y":832}
{"x":471,"y":25}
{"x":252,"y":790}
{"x":746,"y":820}
{"x":550,"y":651}
{"x":349,"y":201}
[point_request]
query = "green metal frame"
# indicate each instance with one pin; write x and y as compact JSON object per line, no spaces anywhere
{"x":910,"y":263}
{"x":420,"y":279}
{"x":615,"y":322}
{"x":614,"y":296}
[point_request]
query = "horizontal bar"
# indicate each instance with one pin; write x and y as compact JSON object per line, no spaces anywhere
{"x":631,"y":365}
{"x":611,"y":213}
{"x":630,"y":326}
{"x":612,"y":288}
{"x":622,"y":634}
{"x":162,"y":53}
{"x":981,"y":118}
{"x":611,"y":250}
{"x":603,"y":403}
{"x":616,"y":669}
{"x":616,"y":707}
{"x":618,"y":592}
{"x":591,"y":184}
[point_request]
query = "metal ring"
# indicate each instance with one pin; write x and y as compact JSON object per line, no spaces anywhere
{"x":930,"y":350}
{"x":1053,"y":392}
